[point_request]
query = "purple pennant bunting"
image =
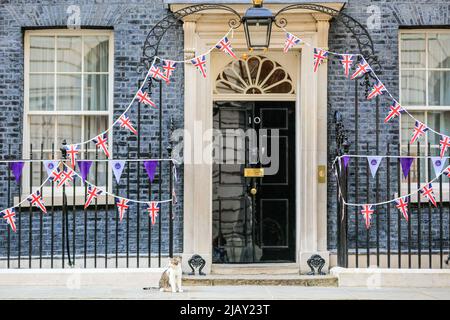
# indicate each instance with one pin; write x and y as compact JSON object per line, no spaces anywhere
{"x":345,"y":161}
{"x":85,"y":166}
{"x":374,"y":163}
{"x":406,"y":165}
{"x":16,"y":168}
{"x":150,"y":167}
{"x":117,"y":167}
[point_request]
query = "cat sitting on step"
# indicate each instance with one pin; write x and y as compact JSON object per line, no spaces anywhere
{"x":172,"y":276}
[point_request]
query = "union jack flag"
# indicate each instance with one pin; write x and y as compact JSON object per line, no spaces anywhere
{"x":427,"y":191}
{"x":347,"y":62}
{"x":153,"y":210}
{"x":402,"y":205}
{"x":65,"y":177}
{"x":122,"y":206}
{"x":10,"y":216}
{"x":93,"y":193}
{"x":144,"y":98}
{"x":419,"y":130}
{"x":362,"y":68}
{"x":447,"y":171}
{"x":445,"y":143}
{"x":290,"y":41}
{"x":169,"y":67}
{"x":224,"y":45}
{"x":56,"y":175}
{"x":200,"y":64}
{"x":396,"y":110}
{"x":319,"y":56}
{"x":125,"y":122}
{"x":36,"y":200}
{"x":155,"y":72}
{"x":101,"y":142}
{"x":367,"y":212}
{"x":72,"y":152}
{"x":377,"y":90}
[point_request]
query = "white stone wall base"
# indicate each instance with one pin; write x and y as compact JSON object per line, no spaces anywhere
{"x":394,"y":278}
{"x":305,"y":255}
{"x":78,"y":278}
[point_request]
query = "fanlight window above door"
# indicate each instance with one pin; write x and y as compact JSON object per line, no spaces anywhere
{"x":256,"y":75}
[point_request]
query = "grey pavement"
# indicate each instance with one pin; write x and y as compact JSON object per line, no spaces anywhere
{"x":227,"y":293}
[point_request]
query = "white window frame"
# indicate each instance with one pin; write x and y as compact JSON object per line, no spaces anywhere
{"x":79,"y":191}
{"x":421,"y":108}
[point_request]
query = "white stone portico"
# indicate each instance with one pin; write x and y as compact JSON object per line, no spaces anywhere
{"x":201,"y":31}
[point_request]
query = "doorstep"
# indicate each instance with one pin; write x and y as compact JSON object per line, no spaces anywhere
{"x":255,"y":269}
{"x":261,"y":279}
{"x":393,"y":278}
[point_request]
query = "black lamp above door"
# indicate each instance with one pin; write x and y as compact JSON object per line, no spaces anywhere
{"x":258,"y":26}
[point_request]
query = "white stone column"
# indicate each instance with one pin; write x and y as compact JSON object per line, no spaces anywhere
{"x":313,"y":146}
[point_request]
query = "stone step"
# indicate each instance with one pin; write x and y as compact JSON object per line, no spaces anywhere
{"x":267,"y":280}
{"x":255,"y":269}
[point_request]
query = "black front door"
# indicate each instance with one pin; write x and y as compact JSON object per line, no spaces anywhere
{"x":254,"y":216}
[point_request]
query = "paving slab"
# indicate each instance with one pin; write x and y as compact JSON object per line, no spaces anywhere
{"x":226,"y":293}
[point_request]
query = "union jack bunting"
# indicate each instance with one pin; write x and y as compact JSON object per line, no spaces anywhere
{"x":395,"y":111}
{"x":56,"y":175}
{"x":290,"y":41}
{"x":419,"y":130}
{"x":153,"y":210}
{"x":65,"y":177}
{"x":362,"y":68}
{"x":125,"y":122}
{"x":144,"y":98}
{"x":169,"y":68}
{"x":347,"y":62}
{"x":92,"y":193}
{"x":447,"y":171}
{"x":445,"y":143}
{"x":35,"y":199}
{"x":224,"y":45}
{"x":319,"y":56}
{"x":155,"y":73}
{"x":402,"y":205}
{"x":101,"y":142}
{"x":72,"y":152}
{"x":200,"y":64}
{"x":427,"y":191}
{"x":377,"y":90}
{"x":122,"y":207}
{"x":10,"y":216}
{"x":367,"y":212}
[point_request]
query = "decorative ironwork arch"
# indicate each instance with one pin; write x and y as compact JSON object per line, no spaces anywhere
{"x":359,"y":32}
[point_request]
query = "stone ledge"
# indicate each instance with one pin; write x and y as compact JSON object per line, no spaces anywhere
{"x":394,"y":278}
{"x":272,"y":280}
{"x":77,"y":278}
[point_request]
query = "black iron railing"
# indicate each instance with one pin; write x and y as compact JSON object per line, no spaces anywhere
{"x":421,"y":242}
{"x":69,"y":235}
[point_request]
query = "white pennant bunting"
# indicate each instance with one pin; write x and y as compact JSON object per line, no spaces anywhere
{"x":117,"y":167}
{"x":50,"y":165}
{"x":374,"y":163}
{"x":438,"y":164}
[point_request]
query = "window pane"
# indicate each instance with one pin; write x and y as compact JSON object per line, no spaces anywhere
{"x":42,"y":131}
{"x":439,"y":88}
{"x":69,"y":129}
{"x":413,"y":88}
{"x":96,"y":92}
{"x":439,"y":50}
{"x":413,"y":50}
{"x":69,"y":54}
{"x":97,"y":173}
{"x":96,"y":54}
{"x":42,"y":92}
{"x":94,"y":125}
{"x":68,"y":92}
{"x":439,"y":121}
{"x":42,"y":54}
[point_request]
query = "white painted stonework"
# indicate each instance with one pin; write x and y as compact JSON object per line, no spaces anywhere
{"x":201,"y":31}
